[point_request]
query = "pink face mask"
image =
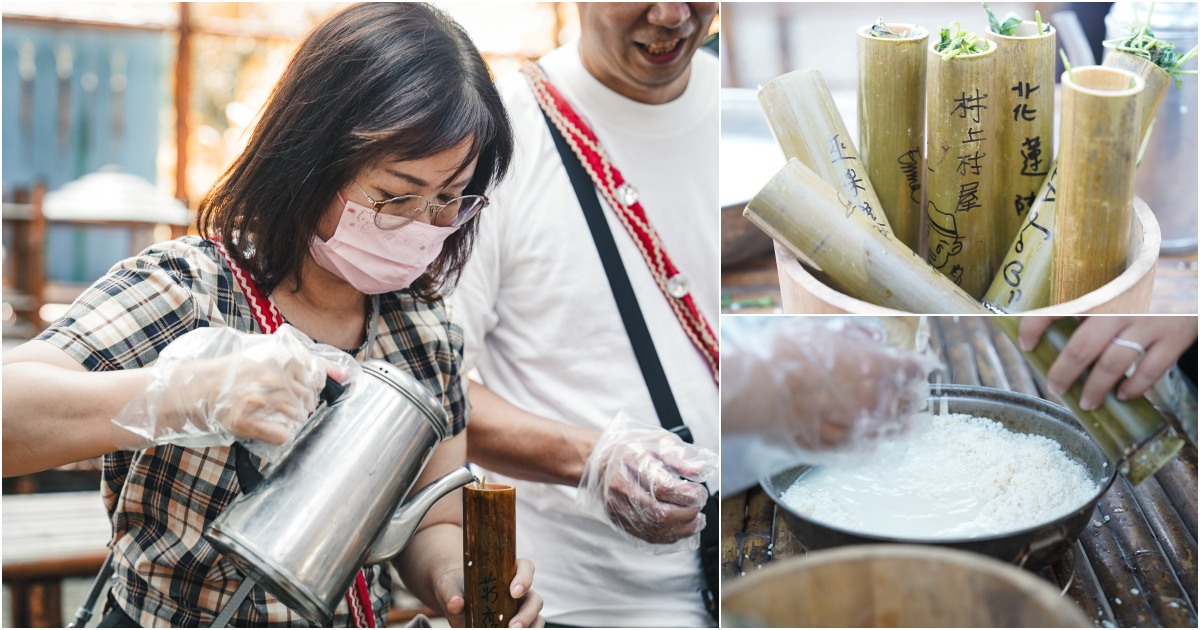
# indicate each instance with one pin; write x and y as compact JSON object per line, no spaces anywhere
{"x":377,"y":261}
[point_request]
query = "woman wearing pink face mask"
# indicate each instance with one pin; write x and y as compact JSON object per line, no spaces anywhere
{"x":350,"y":212}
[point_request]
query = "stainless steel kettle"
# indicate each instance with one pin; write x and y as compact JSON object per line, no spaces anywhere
{"x":329,"y":505}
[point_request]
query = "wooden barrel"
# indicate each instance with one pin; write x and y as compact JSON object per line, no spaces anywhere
{"x":1129,"y":293}
{"x":895,"y":586}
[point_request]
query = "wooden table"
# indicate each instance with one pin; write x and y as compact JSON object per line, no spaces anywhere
{"x":1135,"y":565}
{"x":748,"y":287}
{"x":49,"y":537}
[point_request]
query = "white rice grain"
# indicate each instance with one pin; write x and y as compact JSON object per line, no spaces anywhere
{"x":964,"y":477}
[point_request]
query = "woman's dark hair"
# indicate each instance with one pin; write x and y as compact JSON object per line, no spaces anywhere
{"x":377,"y":80}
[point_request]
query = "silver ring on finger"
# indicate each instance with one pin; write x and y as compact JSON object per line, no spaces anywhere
{"x":1132,"y":345}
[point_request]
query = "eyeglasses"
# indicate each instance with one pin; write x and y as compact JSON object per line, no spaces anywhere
{"x":395,"y":213}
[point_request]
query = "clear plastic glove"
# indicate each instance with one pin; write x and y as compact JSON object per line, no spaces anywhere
{"x":215,"y":385}
{"x":648,"y":484}
{"x":811,"y":390}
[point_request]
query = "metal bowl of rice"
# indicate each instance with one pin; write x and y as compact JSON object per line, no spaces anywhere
{"x":1030,"y":544}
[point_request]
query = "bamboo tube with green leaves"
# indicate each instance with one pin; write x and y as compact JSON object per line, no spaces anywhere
{"x":814,"y":222}
{"x":1024,"y":147}
{"x":1023,"y":281}
{"x":808,"y":127}
{"x":891,"y":121}
{"x":962,"y":204}
{"x":1131,"y":432}
{"x":1096,"y":170}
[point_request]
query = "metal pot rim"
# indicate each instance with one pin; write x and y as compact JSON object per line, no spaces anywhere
{"x":1052,"y":409}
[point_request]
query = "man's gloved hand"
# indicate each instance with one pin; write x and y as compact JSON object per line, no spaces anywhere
{"x":648,"y":483}
{"x":215,"y":385}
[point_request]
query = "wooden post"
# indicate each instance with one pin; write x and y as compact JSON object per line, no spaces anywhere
{"x":809,"y":217}
{"x":808,"y":127}
{"x":891,"y":124}
{"x":1097,"y":162}
{"x":1023,"y":280}
{"x":1024,"y":146}
{"x":183,"y":90}
{"x":961,"y":208}
{"x":489,"y":554}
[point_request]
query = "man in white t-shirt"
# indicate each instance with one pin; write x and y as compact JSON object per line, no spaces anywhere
{"x":543,"y":329}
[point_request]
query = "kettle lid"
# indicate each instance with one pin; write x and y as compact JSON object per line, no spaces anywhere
{"x":412,"y":389}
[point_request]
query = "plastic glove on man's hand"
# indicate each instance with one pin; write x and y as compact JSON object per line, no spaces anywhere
{"x":649,"y":483}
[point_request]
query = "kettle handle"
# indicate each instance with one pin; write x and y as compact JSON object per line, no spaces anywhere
{"x":332,"y":391}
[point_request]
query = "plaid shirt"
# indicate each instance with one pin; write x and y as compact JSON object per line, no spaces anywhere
{"x":160,"y":499}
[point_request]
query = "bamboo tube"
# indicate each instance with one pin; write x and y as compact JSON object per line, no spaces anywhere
{"x":1023,"y":281}
{"x":1169,"y":531}
{"x":1131,"y":433}
{"x":808,"y":127}
{"x":1097,"y":162}
{"x":1116,"y":578}
{"x":962,"y":207}
{"x":1025,"y":140}
{"x":1144,"y":556}
{"x":809,"y":218}
{"x":489,"y":554}
{"x":891,"y":124}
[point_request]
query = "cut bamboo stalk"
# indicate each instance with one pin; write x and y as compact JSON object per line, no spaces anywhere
{"x":1130,"y":432}
{"x":489,"y":554}
{"x":811,"y":220}
{"x":963,"y":206}
{"x":891,"y":124}
{"x":1023,"y":281}
{"x":1098,"y":158}
{"x":1025,"y":140}
{"x":808,"y":127}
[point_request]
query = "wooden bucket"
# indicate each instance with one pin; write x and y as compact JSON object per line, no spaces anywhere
{"x":895,"y":586}
{"x":803,"y":292}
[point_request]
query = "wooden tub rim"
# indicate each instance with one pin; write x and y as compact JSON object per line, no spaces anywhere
{"x":1144,"y":259}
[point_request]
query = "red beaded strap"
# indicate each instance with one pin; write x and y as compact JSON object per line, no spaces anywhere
{"x":358,"y":598}
{"x":622,"y":198}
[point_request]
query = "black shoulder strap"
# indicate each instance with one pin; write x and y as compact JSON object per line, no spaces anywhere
{"x":643,"y":348}
{"x":622,"y":289}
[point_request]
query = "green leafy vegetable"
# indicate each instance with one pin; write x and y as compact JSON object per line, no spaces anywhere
{"x":1161,"y":53}
{"x":1067,"y":64}
{"x":1009,"y":26}
{"x":959,"y":42}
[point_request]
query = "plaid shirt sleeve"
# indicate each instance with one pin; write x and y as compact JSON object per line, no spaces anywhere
{"x":426,"y":339}
{"x":144,"y":303}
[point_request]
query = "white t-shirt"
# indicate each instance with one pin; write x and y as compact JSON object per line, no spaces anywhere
{"x":544,"y":332}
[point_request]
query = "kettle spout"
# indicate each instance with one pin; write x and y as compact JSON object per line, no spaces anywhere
{"x":409,"y":515}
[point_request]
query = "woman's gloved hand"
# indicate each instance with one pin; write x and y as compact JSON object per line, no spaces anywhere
{"x":647,"y":483}
{"x":215,"y":385}
{"x":797,"y":389}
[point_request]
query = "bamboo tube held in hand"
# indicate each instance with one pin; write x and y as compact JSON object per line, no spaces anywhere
{"x":808,"y":127}
{"x":810,"y":218}
{"x":1130,"y":432}
{"x":1025,"y":139}
{"x":1096,"y":170}
{"x":891,"y":124}
{"x":489,"y":554}
{"x":1023,"y":282}
{"x":962,"y":207}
